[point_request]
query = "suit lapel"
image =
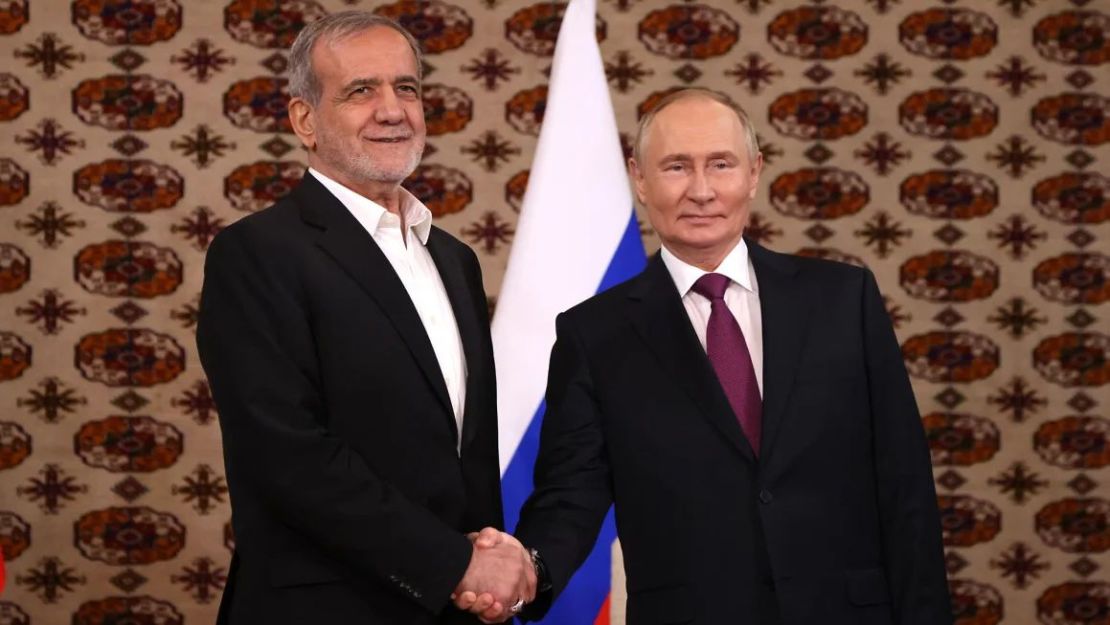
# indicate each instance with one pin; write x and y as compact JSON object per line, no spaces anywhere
{"x":462,"y":303}
{"x":348,"y":243}
{"x":785,"y":314}
{"x":661,"y":320}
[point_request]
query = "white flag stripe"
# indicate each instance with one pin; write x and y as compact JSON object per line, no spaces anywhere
{"x":575,"y":211}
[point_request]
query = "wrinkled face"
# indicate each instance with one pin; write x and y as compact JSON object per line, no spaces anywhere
{"x":369,"y":124}
{"x":697,"y":179}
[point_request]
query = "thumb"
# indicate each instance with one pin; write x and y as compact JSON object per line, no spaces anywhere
{"x":488,"y":537}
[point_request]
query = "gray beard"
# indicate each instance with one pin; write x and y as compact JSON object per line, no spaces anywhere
{"x":361,"y":167}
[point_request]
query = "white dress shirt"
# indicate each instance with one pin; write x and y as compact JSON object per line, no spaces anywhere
{"x":409,"y":256}
{"x":741,"y":297}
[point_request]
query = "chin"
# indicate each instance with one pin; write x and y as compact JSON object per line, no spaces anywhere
{"x":704,"y":237}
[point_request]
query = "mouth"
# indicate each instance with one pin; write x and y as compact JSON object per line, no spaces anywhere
{"x":390,"y":139}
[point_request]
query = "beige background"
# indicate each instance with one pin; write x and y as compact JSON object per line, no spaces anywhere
{"x":1027,"y":522}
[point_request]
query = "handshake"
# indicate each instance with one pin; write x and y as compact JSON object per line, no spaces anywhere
{"x":500,"y":580}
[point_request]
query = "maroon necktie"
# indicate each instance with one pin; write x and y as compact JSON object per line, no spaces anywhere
{"x":728,"y":353}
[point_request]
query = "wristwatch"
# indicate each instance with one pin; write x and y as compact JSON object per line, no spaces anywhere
{"x":543,"y":580}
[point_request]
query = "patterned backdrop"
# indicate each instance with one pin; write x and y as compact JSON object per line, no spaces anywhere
{"x":957,"y":148}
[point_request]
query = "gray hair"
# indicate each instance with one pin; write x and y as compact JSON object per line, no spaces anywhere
{"x":694,"y":92}
{"x":303,"y":82}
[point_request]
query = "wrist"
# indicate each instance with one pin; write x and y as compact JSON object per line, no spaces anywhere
{"x":543,"y":579}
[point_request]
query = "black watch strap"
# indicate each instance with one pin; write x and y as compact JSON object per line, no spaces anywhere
{"x":543,"y":580}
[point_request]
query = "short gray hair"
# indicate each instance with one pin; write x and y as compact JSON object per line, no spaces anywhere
{"x":685,"y":94}
{"x":303,"y":82}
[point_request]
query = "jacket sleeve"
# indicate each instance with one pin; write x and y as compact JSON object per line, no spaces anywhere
{"x":257,"y":349}
{"x":573,"y":489}
{"x":910,"y":521}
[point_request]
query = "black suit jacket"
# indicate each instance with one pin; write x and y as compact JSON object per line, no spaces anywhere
{"x":349,"y":500}
{"x":835,"y":522}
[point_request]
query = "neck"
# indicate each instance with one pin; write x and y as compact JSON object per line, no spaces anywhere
{"x":385,"y":194}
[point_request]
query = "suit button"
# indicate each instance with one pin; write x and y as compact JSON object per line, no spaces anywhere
{"x":765,"y":496}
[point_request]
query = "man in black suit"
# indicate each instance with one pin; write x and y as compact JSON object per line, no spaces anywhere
{"x":347,"y":344}
{"x":748,"y":413}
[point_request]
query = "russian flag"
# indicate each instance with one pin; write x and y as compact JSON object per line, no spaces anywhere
{"x":577,"y":235}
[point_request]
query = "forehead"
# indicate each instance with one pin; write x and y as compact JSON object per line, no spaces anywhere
{"x":695,"y":125}
{"x":378,"y":52}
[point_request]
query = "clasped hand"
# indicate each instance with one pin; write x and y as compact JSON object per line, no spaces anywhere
{"x":499,"y":578}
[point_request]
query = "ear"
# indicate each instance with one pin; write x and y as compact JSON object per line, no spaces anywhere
{"x":757,"y":168}
{"x":638,"y":182}
{"x":302,"y":116}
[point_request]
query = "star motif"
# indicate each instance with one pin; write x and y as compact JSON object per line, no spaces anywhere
{"x":754,"y":6}
{"x":203,"y":488}
{"x":50,"y":400}
{"x":1016,"y":156}
{"x":199,"y":228}
{"x":51,"y":489}
{"x":1018,"y":482}
{"x":187,"y":314}
{"x":50,"y":141}
{"x":771,"y":151}
{"x":490,"y":151}
{"x":883,"y":233}
{"x":883,"y":73}
{"x":50,"y":223}
{"x":202,"y":146}
{"x":1016,"y":318}
{"x":1020,"y":563}
{"x":50,"y":579}
{"x":624,"y":73}
{"x":490,"y":68}
{"x":897,"y":317}
{"x":1018,"y":235}
{"x":50,"y":311}
{"x":761,"y":231}
{"x":202,"y":60}
{"x":1017,"y":7}
{"x":202,"y":580}
{"x":49,"y":55}
{"x":882,"y":6}
{"x":491,"y":231}
{"x":1016,"y":76}
{"x":754,"y":73}
{"x":1017,"y":399}
{"x":197,"y":403}
{"x":623,"y":5}
{"x":882,"y":154}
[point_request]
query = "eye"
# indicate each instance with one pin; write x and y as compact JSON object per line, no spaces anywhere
{"x":410,"y":89}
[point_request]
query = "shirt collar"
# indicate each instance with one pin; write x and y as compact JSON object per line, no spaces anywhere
{"x":373,"y":216}
{"x":735,"y":267}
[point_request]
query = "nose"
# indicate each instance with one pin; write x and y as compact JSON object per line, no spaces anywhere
{"x":389,"y":109}
{"x":700,"y":190}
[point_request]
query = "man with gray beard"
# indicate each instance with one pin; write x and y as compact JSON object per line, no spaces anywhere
{"x":346,"y":340}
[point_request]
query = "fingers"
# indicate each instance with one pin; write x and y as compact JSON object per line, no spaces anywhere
{"x":465,"y":600}
{"x":484,"y":603}
{"x":500,"y":575}
{"x":496,"y":614}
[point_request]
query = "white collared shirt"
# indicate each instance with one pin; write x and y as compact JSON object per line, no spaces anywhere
{"x":741,"y":297}
{"x":409,"y":256}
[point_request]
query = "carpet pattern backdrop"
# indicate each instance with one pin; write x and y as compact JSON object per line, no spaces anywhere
{"x":958,"y":148}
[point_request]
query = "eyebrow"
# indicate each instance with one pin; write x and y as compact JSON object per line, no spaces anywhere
{"x":685,"y":158}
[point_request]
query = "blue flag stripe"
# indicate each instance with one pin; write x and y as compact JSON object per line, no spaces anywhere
{"x":587,"y":590}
